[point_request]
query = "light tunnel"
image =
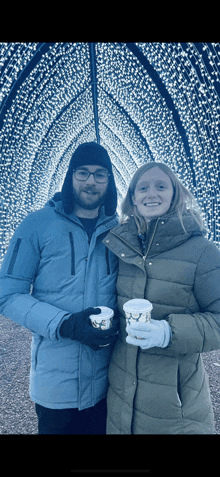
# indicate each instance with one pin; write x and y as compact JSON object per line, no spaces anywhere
{"x":141,"y":101}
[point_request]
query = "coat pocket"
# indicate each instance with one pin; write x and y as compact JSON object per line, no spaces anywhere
{"x":37,"y":351}
{"x":14,"y":256}
{"x":72,"y":253}
{"x":107,"y":261}
{"x":178,"y":387}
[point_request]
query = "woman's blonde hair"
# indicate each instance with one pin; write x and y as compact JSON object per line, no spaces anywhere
{"x":182,"y":199}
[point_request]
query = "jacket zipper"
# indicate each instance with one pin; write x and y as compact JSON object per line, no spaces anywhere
{"x":151,"y":240}
{"x":178,"y":387}
{"x":14,"y":256}
{"x":107,"y":260}
{"x":137,"y":251}
{"x":72,"y":254}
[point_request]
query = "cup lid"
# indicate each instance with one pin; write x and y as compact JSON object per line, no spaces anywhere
{"x":139,"y":305}
{"x":105,"y":314}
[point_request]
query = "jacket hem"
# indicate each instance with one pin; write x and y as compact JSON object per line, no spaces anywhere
{"x":66,"y":405}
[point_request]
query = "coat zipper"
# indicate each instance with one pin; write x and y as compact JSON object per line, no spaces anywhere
{"x":107,"y":260}
{"x":151,"y":240}
{"x":72,"y":254}
{"x":14,"y":256}
{"x":137,"y":251}
{"x":178,"y":387}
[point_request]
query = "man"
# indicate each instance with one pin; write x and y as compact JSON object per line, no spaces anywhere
{"x":56,"y":270}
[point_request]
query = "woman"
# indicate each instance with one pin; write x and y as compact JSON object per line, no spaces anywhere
{"x":158,"y":384}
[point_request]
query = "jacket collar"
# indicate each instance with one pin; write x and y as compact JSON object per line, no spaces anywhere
{"x":164,"y":233}
{"x":57,"y":204}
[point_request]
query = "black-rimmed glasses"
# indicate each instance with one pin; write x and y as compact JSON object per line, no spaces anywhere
{"x":100,"y":176}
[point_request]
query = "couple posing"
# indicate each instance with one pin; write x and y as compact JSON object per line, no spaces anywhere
{"x":74,"y":255}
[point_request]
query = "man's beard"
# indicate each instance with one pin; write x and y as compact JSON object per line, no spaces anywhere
{"x":78,"y":200}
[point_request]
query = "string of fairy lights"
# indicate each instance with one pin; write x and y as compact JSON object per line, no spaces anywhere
{"x":193,"y":80}
{"x":47,"y":110}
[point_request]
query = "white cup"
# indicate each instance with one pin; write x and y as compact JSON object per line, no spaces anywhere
{"x":139,"y":310}
{"x":104,"y":320}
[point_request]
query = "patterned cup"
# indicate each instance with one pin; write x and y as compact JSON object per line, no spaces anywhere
{"x":137,"y":309}
{"x":104,"y":320}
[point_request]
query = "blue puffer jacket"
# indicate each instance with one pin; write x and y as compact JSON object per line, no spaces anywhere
{"x":49,"y":271}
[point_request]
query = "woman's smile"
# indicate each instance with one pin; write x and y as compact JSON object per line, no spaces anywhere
{"x":153,"y":194}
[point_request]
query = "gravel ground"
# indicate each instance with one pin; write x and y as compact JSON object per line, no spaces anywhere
{"x":17,"y":412}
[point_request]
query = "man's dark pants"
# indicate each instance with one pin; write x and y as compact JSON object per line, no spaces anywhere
{"x":72,"y":421}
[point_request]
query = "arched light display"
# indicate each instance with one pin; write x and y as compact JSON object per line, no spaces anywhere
{"x":142,"y":101}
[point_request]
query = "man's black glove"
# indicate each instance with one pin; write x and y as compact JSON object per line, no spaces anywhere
{"x":78,"y":327}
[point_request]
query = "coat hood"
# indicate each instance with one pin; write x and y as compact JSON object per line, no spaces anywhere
{"x":53,"y":201}
{"x":56,"y":202}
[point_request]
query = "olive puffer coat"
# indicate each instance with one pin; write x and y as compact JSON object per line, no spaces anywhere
{"x":165,"y":390}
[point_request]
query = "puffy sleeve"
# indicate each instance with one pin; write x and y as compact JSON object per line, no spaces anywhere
{"x":200,"y":332}
{"x":18,"y":270}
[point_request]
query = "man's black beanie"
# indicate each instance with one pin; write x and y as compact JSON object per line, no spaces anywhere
{"x":87,"y":154}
